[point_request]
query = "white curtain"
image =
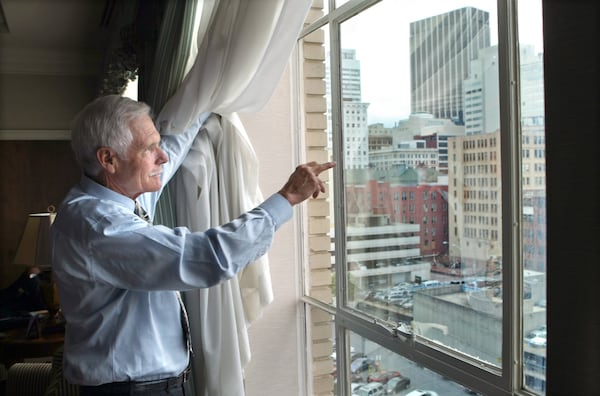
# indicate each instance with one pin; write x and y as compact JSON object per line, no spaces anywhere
{"x":243,"y":48}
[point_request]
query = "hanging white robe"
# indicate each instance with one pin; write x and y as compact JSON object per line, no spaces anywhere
{"x":217,"y":182}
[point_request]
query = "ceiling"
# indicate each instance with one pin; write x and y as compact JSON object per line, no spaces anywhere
{"x":53,"y":36}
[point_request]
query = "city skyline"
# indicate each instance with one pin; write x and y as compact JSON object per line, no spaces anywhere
{"x":385,"y":63}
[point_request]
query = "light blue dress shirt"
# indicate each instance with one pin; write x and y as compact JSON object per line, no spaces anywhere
{"x":117,"y":275}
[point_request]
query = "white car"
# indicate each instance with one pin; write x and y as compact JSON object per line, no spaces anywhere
{"x":536,"y":333}
{"x":421,"y":392}
{"x":371,"y":389}
{"x":538,"y":341}
{"x":355,"y":386}
{"x":537,"y":338}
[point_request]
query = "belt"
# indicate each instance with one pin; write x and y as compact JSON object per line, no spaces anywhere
{"x":132,"y":387}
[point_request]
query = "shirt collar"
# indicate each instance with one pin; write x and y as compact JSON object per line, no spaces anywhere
{"x":92,"y":187}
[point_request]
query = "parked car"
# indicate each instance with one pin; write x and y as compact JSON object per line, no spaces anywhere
{"x":537,"y":338}
{"x":396,"y":384}
{"x":355,"y":386}
{"x":383,"y":376}
{"x":372,"y":389}
{"x":431,"y":283}
{"x":421,"y":392}
{"x":361,"y":364}
{"x":539,"y":341}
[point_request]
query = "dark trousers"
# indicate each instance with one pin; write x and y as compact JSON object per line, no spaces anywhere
{"x":95,"y":391}
{"x":150,"y":388}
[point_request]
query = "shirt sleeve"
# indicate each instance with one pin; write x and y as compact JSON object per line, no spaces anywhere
{"x":177,"y":146}
{"x":125,"y":252}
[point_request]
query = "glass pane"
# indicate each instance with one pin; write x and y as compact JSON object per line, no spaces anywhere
{"x":534,"y":195}
{"x":421,"y":150}
{"x":375,"y":367}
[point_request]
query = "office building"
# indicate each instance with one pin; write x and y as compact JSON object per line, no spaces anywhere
{"x":441,"y":49}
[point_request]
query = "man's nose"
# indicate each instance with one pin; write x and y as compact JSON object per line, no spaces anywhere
{"x":162,"y":156}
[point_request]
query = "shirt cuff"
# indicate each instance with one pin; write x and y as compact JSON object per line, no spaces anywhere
{"x":279,"y":208}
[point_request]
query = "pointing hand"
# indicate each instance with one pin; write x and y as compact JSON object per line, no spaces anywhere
{"x":305,"y":182}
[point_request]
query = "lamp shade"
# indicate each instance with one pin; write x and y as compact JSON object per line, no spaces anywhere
{"x":34,"y":248}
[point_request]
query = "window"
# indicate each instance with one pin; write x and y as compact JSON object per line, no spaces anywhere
{"x":403,"y":294}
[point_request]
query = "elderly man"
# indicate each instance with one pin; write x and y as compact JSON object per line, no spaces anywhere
{"x":118,"y":275}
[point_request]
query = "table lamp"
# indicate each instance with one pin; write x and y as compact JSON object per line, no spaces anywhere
{"x":34,"y":249}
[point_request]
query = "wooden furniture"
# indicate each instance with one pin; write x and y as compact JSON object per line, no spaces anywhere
{"x":15,"y":347}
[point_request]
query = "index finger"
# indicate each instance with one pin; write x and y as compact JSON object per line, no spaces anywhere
{"x":324,"y":166}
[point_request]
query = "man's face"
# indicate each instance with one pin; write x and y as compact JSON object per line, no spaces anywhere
{"x":141,"y":170}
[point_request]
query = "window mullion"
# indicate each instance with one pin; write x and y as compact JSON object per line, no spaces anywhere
{"x":512,"y":349}
{"x":342,"y":361}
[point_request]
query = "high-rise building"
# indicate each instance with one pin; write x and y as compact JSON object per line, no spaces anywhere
{"x":355,"y":121}
{"x":442,"y":48}
{"x":481,"y":92}
{"x":356,"y":135}
{"x":351,"y":90}
{"x":532,"y":85}
{"x":474,"y":200}
{"x":474,"y":174}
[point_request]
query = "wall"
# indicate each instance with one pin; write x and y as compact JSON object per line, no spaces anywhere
{"x":35,"y":173}
{"x":275,"y":365}
{"x":42,"y":101}
{"x":571,"y":64}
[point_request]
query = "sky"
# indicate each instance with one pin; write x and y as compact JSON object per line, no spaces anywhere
{"x":384,"y":51}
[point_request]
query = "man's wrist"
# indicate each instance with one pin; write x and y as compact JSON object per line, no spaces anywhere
{"x":287,"y":196}
{"x":279,"y":207}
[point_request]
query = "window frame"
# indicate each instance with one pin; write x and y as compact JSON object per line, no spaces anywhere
{"x":470,"y":372}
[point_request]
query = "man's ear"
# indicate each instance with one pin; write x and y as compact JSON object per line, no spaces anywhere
{"x":107,"y":159}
